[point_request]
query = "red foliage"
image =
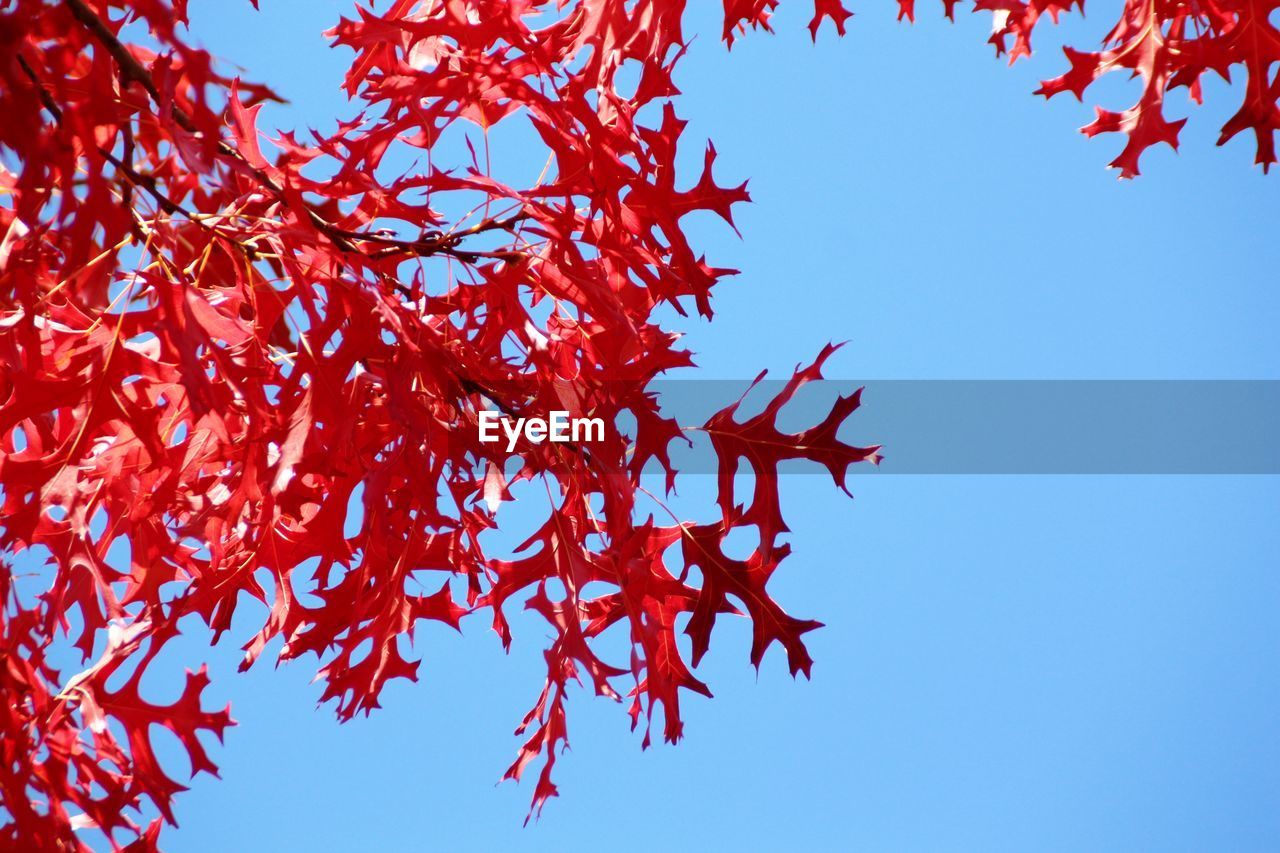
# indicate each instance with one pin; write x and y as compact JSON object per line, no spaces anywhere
{"x":208,"y":352}
{"x":1165,"y":44}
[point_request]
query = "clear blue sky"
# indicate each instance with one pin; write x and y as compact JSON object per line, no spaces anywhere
{"x":1009,"y":663}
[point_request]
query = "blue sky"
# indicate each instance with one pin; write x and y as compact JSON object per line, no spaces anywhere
{"x":1015,"y":663}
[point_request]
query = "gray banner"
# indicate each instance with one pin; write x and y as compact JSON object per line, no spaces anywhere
{"x":1017,"y":426}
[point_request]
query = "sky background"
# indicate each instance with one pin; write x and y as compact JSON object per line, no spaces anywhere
{"x":1009,"y":662}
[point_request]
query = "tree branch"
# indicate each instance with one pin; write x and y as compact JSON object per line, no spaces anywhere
{"x":132,"y":70}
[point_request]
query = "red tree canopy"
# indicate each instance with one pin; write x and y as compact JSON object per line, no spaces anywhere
{"x":214,"y":341}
